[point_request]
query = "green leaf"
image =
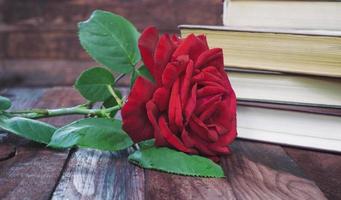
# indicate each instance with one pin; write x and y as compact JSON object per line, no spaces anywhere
{"x":142,"y":71}
{"x":175,"y":162}
{"x":146,"y":144}
{"x":111,"y":102}
{"x":93,"y":84}
{"x":31,"y":129}
{"x":111,"y":40}
{"x":5,"y":103}
{"x":97,"y":133}
{"x":133,"y":78}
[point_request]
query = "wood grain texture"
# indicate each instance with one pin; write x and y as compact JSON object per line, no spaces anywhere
{"x":254,"y":171}
{"x":44,"y":73}
{"x":34,"y":170}
{"x":322,"y":167}
{"x":264,"y":171}
{"x":35,"y":44}
{"x":50,"y":14}
{"x":39,"y":29}
{"x":164,"y":186}
{"x":7,"y":151}
{"x":92,"y":174}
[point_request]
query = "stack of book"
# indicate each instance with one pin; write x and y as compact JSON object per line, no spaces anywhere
{"x":283,"y":59}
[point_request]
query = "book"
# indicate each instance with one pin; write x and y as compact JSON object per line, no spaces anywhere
{"x":292,"y":51}
{"x":320,"y":15}
{"x":301,"y":129}
{"x":286,"y":89}
{"x":292,"y":107}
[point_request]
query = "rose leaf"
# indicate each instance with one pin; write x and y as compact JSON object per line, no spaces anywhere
{"x":31,"y":129}
{"x":111,"y":40}
{"x":96,"y":133}
{"x":142,"y":71}
{"x":171,"y":161}
{"x":5,"y":103}
{"x":93,"y":84}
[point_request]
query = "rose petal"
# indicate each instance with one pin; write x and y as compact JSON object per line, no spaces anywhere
{"x":184,"y":92}
{"x":147,"y":44}
{"x":171,"y":138}
{"x":161,"y":98}
{"x":211,"y":57}
{"x":203,"y":103}
{"x":173,"y":70}
{"x":134,"y":114}
{"x":199,"y":128}
{"x":214,"y":71}
{"x":206,"y":75}
{"x":162,"y":56}
{"x":153,"y":115}
{"x":191,"y":103}
{"x":209,"y":83}
{"x":227,"y":110}
{"x":187,"y":140}
{"x":221,"y":130}
{"x":229,"y":137}
{"x":210,"y":90}
{"x":175,"y":111}
{"x":175,"y":39}
{"x":221,"y":150}
{"x":201,"y":145}
{"x":192,"y":46}
{"x":204,"y":40}
{"x":219,"y":74}
{"x":214,"y":158}
{"x":227,"y":117}
{"x":209,"y":111}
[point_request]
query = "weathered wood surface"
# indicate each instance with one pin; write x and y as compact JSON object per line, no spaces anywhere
{"x":264,"y":171}
{"x":253,"y":171}
{"x":92,"y":174}
{"x":32,"y":171}
{"x":6,"y":151}
{"x":45,"y":29}
{"x":322,"y":167}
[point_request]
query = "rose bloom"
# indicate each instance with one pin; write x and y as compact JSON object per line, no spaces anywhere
{"x":191,"y":106}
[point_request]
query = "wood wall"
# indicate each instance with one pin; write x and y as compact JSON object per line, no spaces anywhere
{"x":47,"y":29}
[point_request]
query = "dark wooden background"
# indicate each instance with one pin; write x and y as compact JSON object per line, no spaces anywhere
{"x":38,"y":38}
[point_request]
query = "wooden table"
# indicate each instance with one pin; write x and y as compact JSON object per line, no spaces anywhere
{"x":253,"y":171}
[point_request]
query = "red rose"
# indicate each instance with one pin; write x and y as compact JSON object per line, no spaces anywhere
{"x":191,"y":106}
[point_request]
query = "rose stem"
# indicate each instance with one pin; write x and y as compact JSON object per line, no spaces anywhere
{"x":78,"y":110}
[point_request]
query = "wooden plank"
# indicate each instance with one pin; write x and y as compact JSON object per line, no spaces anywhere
{"x":34,"y":170}
{"x":254,"y":171}
{"x":44,"y":73}
{"x":43,"y":45}
{"x":48,"y":29}
{"x":167,"y":15}
{"x":322,"y":167}
{"x":164,"y":186}
{"x":7,"y":151}
{"x":41,"y":72}
{"x":92,"y":174}
{"x":264,"y":171}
